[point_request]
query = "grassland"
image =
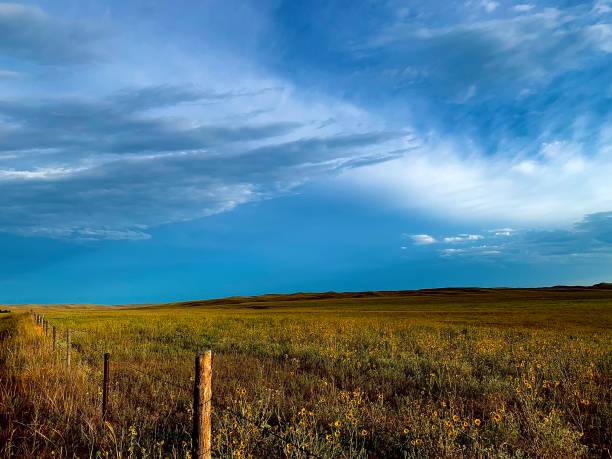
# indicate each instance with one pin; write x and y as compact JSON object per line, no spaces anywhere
{"x":447,"y":373}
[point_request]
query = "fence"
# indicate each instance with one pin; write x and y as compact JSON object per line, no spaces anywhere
{"x":201,"y":431}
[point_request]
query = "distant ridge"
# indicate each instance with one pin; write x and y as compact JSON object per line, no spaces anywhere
{"x":603,"y":285}
{"x":448,"y":292}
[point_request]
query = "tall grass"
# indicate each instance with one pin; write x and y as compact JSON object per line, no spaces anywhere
{"x":335,"y":383}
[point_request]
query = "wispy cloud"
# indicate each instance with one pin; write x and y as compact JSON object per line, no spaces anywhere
{"x":489,"y":5}
{"x":9,"y":74}
{"x":592,"y":236}
{"x":509,"y":124}
{"x":116,"y":126}
{"x":559,"y":185}
{"x":493,"y":54}
{"x":523,"y":7}
{"x":422,"y":239}
{"x":30,"y":34}
{"x":101,"y":168}
{"x":463,"y":238}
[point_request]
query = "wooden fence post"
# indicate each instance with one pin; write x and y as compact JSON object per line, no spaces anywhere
{"x":46,"y":327}
{"x":202,"y":404}
{"x":105,"y":386}
{"x":54,"y":334}
{"x":68,"y":345}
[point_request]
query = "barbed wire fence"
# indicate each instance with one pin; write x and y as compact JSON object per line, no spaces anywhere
{"x":201,"y":391}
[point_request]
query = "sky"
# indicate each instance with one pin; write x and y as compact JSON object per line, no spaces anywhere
{"x":159,"y":151}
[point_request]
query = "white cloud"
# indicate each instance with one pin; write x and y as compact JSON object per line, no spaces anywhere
{"x":489,"y":5}
{"x":601,"y":35}
{"x":589,"y":237}
{"x":463,"y":238}
{"x":503,"y":232}
{"x":143,"y":145}
{"x":561,"y":185}
{"x":5,"y":74}
{"x":447,"y":252}
{"x":523,"y":7}
{"x":602,"y":7}
{"x":482,"y":250}
{"x":521,"y":51}
{"x":30,"y":34}
{"x":422,"y":239}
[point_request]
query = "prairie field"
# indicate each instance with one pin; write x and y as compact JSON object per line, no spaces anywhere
{"x":486,"y":373}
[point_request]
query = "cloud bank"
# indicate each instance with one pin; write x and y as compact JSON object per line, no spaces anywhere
{"x":558,"y":185}
{"x":111,"y":169}
{"x":590,"y":237}
{"x":499,"y":116}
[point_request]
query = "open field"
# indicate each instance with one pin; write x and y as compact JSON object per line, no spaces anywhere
{"x":449,"y":373}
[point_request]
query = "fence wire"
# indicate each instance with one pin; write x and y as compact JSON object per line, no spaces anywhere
{"x":267,"y":430}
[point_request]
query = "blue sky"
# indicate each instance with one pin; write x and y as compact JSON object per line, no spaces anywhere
{"x":154,"y":151}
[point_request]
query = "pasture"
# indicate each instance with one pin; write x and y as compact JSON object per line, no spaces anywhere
{"x":500,"y":373}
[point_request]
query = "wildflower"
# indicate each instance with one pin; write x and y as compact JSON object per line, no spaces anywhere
{"x":585,"y":402}
{"x":465,"y":424}
{"x":338,"y":423}
{"x":406,"y":431}
{"x":477,"y":422}
{"x":455,"y":418}
{"x":328,"y":438}
{"x":289,"y":448}
{"x":496,"y":417}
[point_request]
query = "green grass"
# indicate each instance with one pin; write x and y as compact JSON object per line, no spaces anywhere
{"x":451,"y":373}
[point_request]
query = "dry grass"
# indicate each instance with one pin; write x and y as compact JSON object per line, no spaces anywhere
{"x":438,"y":374}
